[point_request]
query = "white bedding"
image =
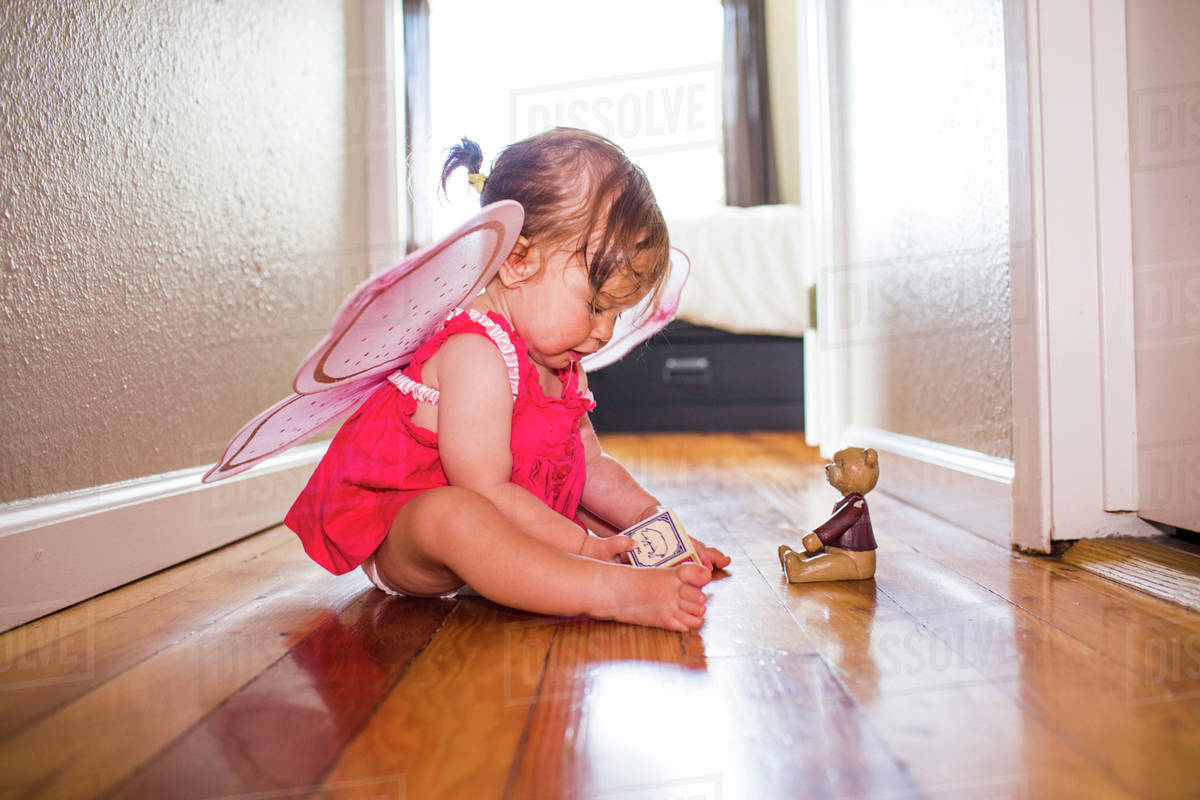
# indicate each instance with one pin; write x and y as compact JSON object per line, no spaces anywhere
{"x":748,"y":270}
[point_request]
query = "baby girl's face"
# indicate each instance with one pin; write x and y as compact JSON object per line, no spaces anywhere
{"x":562,"y":322}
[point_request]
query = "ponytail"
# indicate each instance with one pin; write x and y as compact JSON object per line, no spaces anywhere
{"x":464,"y":154}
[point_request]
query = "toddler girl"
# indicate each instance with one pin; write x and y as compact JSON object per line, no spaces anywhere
{"x":478,"y":464}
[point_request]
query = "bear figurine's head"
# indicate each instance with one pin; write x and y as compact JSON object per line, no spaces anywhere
{"x":853,"y":470}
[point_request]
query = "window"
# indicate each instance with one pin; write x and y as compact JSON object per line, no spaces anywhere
{"x":645,"y":73}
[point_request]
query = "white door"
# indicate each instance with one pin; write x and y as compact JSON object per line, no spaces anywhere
{"x":1164,"y":111}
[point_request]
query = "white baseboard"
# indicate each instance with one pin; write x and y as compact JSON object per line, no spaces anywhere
{"x":56,"y":551}
{"x":970,"y":489}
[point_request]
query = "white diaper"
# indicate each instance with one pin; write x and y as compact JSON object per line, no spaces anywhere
{"x":368,"y":568}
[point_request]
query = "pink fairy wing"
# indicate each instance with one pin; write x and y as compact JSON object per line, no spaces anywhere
{"x":390,"y":315}
{"x":641,"y":322}
{"x":376,"y":332}
{"x":286,"y":423}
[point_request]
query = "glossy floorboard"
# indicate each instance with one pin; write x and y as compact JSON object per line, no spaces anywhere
{"x":961,"y":671}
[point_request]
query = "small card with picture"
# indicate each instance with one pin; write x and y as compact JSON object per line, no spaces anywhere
{"x":660,"y":542}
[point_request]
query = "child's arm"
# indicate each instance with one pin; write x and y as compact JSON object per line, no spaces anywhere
{"x":614,"y":496}
{"x":611,"y":494}
{"x":474,"y":427}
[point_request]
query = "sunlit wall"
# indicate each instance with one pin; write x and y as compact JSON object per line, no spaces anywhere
{"x":182,"y":212}
{"x":923,"y":162}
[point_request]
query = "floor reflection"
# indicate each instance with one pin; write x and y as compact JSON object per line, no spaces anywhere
{"x":840,"y":618}
{"x":284,"y":728}
{"x":716,"y":726}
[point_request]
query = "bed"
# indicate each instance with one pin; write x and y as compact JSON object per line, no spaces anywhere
{"x":733,"y":358}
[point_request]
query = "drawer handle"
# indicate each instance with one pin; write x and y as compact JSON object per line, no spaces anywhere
{"x":687,"y":371}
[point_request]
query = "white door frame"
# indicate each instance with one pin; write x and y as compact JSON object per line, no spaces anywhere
{"x":824,"y":372}
{"x":1074,"y":393}
{"x":387,"y":176}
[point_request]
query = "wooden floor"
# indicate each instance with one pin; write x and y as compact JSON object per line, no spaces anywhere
{"x":961,"y":671}
{"x":1163,"y":566}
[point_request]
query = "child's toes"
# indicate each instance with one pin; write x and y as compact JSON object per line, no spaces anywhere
{"x":716,"y":558}
{"x":693,"y":609}
{"x":691,"y":594}
{"x":694,"y":574}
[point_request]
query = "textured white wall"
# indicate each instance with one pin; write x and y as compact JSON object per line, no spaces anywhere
{"x":925,"y":175}
{"x":181,"y":212}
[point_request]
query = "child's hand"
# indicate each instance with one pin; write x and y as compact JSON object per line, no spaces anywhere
{"x":608,"y":548}
{"x":711,"y":556}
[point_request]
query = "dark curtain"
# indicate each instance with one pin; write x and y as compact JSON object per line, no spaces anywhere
{"x":750,"y":172}
{"x":417,"y":135}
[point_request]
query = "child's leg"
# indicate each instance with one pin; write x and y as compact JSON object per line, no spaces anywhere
{"x":450,"y":536}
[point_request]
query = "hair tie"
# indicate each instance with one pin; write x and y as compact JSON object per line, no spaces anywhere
{"x":477,"y":179}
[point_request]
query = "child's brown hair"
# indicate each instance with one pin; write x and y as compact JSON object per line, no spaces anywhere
{"x":573,"y":183}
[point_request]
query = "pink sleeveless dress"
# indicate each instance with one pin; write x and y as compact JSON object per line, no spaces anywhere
{"x":379,"y":460}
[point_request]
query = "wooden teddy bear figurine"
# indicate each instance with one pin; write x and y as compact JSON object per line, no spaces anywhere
{"x":843,"y":548}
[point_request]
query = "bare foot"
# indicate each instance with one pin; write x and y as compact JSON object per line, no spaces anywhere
{"x":663,"y":597}
{"x":606,"y":548}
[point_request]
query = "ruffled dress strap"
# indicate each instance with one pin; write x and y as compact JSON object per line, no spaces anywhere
{"x":456,"y":322}
{"x":570,"y":382}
